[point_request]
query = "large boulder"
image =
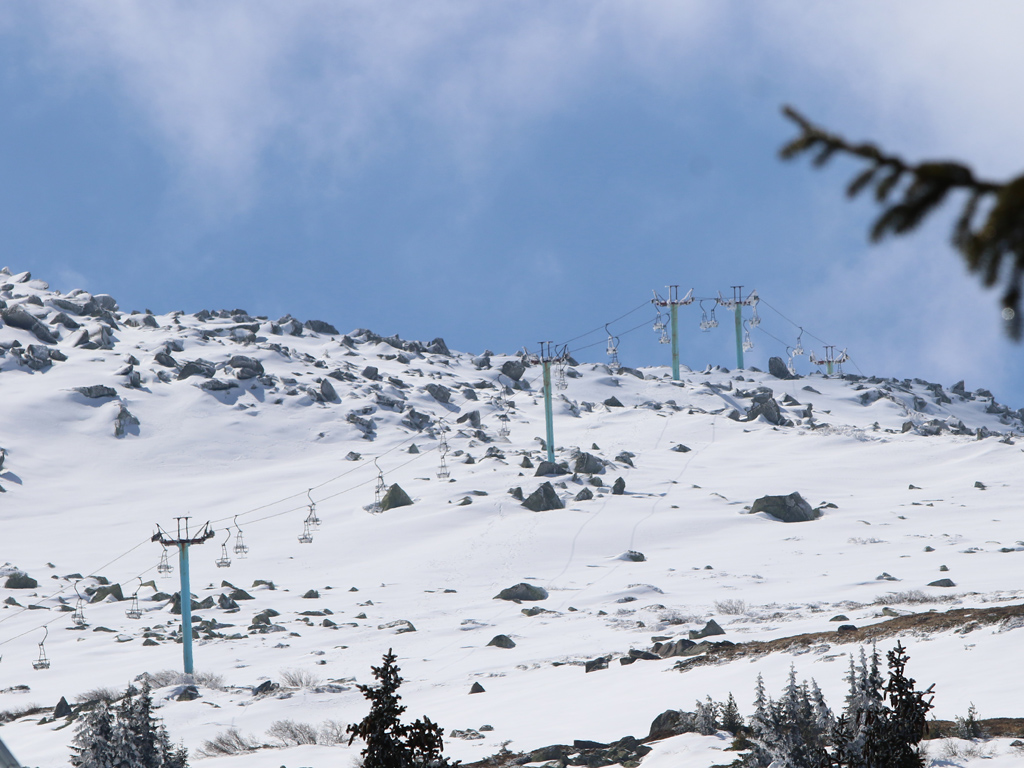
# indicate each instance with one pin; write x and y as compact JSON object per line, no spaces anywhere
{"x":588,"y":464}
{"x":764,"y":404}
{"x":709,"y":629}
{"x":327,"y":391}
{"x":82,"y":304}
{"x":16,"y":317}
{"x":545,"y":468}
{"x":96,"y":391}
{"x":788,"y":509}
{"x":473,"y":417}
{"x":395,"y":497}
{"x":671,"y":722}
{"x":669,"y":648}
{"x":522,"y":591}
{"x":439,"y":392}
{"x":438,"y":347}
{"x":202,"y":368}
{"x":778,"y":369}
{"x":246,"y":367}
{"x":514,"y":369}
{"x":125,"y":423}
{"x":319,"y":326}
{"x":543,"y":499}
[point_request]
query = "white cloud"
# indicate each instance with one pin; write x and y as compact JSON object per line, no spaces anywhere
{"x":221,"y":83}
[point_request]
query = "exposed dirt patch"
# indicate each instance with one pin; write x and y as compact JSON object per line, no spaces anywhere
{"x":965,"y":619}
{"x":997,"y":727}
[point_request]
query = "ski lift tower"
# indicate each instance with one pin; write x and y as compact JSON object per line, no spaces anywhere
{"x":831,"y":359}
{"x":183,"y":542}
{"x":548,"y":355}
{"x":673,"y":302}
{"x":737,"y":303}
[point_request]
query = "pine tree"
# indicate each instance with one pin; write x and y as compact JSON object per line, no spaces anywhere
{"x":130,"y":736}
{"x":732,"y":721}
{"x":761,"y":729}
{"x":706,"y":717}
{"x":992,"y":247}
{"x":390,"y":743}
{"x":906,"y":723}
{"x":92,"y":746}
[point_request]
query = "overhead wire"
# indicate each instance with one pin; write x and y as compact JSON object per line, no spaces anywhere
{"x":601,"y":327}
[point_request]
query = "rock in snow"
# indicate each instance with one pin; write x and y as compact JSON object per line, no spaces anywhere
{"x":788,"y":509}
{"x":543,"y":499}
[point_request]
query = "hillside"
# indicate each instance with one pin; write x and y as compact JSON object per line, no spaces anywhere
{"x":116,"y":422}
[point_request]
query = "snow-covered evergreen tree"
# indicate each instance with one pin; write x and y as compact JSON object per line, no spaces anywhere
{"x":130,"y":736}
{"x":731,"y":720}
{"x":705,"y":718}
{"x":93,"y":745}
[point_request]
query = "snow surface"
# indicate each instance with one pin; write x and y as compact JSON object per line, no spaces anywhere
{"x":80,"y":500}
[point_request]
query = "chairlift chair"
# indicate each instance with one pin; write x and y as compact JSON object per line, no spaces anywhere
{"x":134,"y":611}
{"x":164,"y":568}
{"x":380,"y":489}
{"x":748,"y":343}
{"x":613,"y":349}
{"x":707,"y":322}
{"x":560,"y":382}
{"x":312,"y":519}
{"x":659,"y":322}
{"x":240,"y":548}
{"x":442,"y":447}
{"x":78,"y":617}
{"x":42,"y":662}
{"x":307,"y":535}
{"x":224,"y":561}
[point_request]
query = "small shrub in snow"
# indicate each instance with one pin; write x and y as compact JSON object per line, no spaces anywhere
{"x":969,"y":727}
{"x":300,"y":678}
{"x":731,"y":607}
{"x":909,"y":597}
{"x":98,"y":694}
{"x":9,"y":715}
{"x":331,"y":732}
{"x":957,"y":750}
{"x":230,"y":742}
{"x":166,"y":677}
{"x":291,"y":733}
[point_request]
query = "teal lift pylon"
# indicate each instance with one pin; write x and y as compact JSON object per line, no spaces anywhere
{"x":547,"y":356}
{"x":183,"y":543}
{"x":673,"y":302}
{"x":737,"y":303}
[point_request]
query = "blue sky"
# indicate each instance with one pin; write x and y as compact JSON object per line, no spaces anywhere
{"x":502,"y":173}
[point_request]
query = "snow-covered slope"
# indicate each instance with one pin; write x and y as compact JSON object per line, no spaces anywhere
{"x":226,"y":417}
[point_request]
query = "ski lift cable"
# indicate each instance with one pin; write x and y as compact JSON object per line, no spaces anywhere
{"x":601,"y":327}
{"x":762,"y":330}
{"x":605,"y":341}
{"x":283,"y":499}
{"x":795,"y":325}
{"x":148,"y":540}
{"x":66,"y":587}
